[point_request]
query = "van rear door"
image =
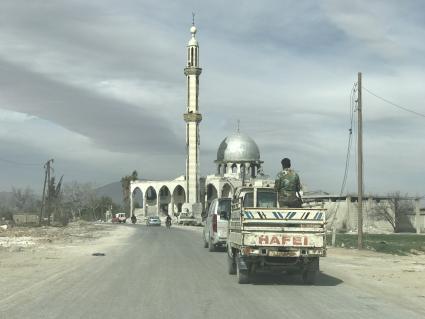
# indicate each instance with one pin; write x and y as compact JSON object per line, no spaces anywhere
{"x":223,"y":214}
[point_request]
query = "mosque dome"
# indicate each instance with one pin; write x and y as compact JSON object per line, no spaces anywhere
{"x":238,"y":147}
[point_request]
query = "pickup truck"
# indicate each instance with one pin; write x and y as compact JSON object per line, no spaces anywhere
{"x":119,"y":218}
{"x":186,"y":218}
{"x":264,"y":237}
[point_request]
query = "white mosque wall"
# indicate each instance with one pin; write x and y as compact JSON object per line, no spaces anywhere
{"x":159,"y":197}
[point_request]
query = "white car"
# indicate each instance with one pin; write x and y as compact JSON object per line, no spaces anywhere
{"x":153,"y":221}
{"x":216,"y":223}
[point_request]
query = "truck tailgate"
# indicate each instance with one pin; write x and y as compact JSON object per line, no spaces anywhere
{"x":283,"y":227}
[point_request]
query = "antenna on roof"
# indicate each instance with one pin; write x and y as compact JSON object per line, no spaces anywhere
{"x":193,"y":18}
{"x":239,"y":122}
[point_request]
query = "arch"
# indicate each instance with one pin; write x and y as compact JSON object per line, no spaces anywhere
{"x":178,"y":199}
{"x":137,"y":198}
{"x":226,"y":191}
{"x":253,"y":170}
{"x":150,"y":201}
{"x":164,"y":199}
{"x":234,"y":168}
{"x":211,"y":194}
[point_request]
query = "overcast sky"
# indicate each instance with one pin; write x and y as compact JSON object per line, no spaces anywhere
{"x":99,"y":86}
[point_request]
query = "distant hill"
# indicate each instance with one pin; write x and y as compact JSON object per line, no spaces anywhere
{"x":112,"y":190}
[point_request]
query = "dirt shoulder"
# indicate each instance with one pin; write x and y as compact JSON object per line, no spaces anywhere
{"x":30,"y":256}
{"x":398,"y":279}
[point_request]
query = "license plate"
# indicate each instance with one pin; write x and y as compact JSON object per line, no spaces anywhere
{"x":275,"y":253}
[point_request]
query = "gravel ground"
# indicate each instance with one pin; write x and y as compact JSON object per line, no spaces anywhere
{"x":32,"y":257}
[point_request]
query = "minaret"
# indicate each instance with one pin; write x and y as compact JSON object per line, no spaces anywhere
{"x":192,"y":118}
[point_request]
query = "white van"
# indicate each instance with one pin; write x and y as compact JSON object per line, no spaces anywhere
{"x":215,"y":229}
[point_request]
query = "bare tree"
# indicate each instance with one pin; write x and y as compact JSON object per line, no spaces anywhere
{"x":76,"y":197}
{"x":394,"y":209}
{"x":23,"y":200}
{"x":125,"y":183}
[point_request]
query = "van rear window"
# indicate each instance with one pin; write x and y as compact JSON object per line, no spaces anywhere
{"x":224,"y":206}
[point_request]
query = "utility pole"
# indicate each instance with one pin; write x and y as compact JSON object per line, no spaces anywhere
{"x":45,"y":197}
{"x":359,"y":163}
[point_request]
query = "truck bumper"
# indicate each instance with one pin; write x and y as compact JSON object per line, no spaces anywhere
{"x":277,"y":264}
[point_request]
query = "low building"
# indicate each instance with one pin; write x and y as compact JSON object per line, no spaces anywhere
{"x":26,"y":219}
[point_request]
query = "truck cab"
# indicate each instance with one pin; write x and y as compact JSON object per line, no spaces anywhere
{"x":265,"y":237}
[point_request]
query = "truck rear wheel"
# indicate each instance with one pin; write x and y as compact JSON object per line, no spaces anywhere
{"x":309,"y":277}
{"x":211,"y":246}
{"x":310,"y":273}
{"x":242,"y":275}
{"x":231,"y":265}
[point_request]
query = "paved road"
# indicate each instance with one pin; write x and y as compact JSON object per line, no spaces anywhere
{"x":164,"y":273}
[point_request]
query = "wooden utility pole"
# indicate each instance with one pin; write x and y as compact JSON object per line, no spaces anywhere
{"x":359,"y":163}
{"x":44,"y":197}
{"x":418,"y":216}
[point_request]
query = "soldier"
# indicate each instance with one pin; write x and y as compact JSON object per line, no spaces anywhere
{"x":288,"y":186}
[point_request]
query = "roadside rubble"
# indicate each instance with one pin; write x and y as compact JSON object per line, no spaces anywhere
{"x":12,"y":238}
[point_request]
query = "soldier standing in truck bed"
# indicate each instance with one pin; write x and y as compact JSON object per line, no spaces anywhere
{"x":288,"y":186}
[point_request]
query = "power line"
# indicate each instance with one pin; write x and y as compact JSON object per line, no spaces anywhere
{"x":18,"y":163}
{"x":393,"y":104}
{"x":352,"y":107}
{"x":350,"y":139}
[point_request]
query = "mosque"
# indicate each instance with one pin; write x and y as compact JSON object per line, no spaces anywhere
{"x":238,"y":160}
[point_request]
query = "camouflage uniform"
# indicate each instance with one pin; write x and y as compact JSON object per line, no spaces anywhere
{"x":287,"y":185}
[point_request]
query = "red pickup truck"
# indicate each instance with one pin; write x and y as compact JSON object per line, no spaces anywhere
{"x":119,"y":218}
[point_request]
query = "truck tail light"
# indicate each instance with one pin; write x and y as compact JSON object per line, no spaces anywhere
{"x":214,"y":223}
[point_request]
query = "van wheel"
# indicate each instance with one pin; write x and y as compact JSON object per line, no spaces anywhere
{"x":211,"y":247}
{"x":231,"y":265}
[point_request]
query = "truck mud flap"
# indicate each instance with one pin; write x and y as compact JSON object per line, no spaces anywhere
{"x":242,"y":263}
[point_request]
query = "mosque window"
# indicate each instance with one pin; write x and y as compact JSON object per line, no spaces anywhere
{"x":234,"y":168}
{"x":191,"y":56}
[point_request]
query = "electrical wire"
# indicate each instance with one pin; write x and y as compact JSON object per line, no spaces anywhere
{"x":18,"y":163}
{"x":352,"y":107}
{"x":350,"y":139}
{"x":393,"y":104}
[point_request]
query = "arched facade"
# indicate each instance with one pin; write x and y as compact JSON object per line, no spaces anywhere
{"x":159,"y":197}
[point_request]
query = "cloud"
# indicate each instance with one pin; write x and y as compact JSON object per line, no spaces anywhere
{"x":107,"y":78}
{"x":111,"y":124}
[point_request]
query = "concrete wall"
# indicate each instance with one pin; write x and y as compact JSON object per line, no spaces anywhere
{"x":343,"y":215}
{"x":26,"y":219}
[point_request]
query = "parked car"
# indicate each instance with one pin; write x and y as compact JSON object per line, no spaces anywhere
{"x":216,"y":223}
{"x":186,"y":218}
{"x":119,"y":218}
{"x":153,"y":221}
